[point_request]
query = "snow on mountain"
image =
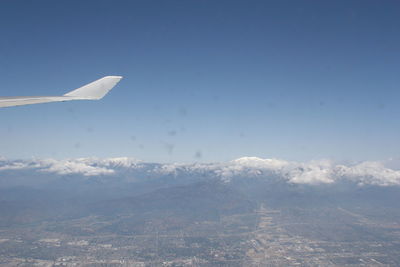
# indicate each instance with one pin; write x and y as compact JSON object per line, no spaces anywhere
{"x":312,"y":172}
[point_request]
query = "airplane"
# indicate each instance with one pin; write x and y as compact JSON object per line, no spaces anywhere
{"x":93,"y":91}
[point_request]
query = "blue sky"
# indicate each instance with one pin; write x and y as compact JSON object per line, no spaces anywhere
{"x":204,"y":80}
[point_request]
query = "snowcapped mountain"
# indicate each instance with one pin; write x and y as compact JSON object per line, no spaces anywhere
{"x":133,"y":170}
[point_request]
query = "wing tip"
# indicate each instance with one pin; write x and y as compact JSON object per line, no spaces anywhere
{"x":95,"y":90}
{"x":113,"y":77}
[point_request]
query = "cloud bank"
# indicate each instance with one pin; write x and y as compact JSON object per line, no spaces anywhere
{"x":312,"y":172}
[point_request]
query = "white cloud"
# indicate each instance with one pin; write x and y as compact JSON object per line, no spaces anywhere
{"x":86,"y":166}
{"x":369,"y":172}
{"x":17,"y":165}
{"x":62,"y":167}
{"x":312,"y":172}
{"x":254,"y":162}
{"x":76,"y":167}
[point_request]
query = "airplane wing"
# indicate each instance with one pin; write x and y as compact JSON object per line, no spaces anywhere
{"x":93,"y":91}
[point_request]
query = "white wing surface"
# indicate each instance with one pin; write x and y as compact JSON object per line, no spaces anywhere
{"x":92,"y":91}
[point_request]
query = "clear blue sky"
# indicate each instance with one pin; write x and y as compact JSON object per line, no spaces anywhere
{"x":204,"y":80}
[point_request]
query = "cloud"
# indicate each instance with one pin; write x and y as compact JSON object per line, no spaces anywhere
{"x":76,"y":167}
{"x":85,"y":167}
{"x":17,"y":165}
{"x":369,"y":172}
{"x":312,"y":172}
{"x":254,"y":162}
{"x":325,"y":171}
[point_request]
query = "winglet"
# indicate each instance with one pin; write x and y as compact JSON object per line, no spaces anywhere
{"x":95,"y":90}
